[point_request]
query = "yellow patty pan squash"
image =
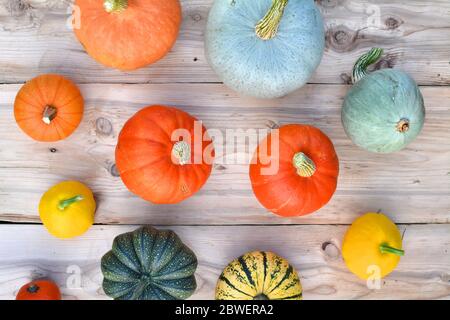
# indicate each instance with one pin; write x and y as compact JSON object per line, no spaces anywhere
{"x":67,"y":209}
{"x":372,"y":246}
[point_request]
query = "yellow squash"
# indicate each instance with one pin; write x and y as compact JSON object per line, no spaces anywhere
{"x":67,"y":209}
{"x":372,"y":246}
{"x":259,"y":275}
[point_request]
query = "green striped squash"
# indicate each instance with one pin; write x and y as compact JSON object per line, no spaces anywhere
{"x":149,"y":264}
{"x":259,"y":275}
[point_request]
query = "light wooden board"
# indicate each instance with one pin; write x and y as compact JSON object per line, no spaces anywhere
{"x":423,"y":273}
{"x":412,"y":185}
{"x":416,"y":35}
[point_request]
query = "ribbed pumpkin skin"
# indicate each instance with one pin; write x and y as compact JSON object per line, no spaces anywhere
{"x":374,"y":106}
{"x":259,"y":274}
{"x":149,"y":264}
{"x":264,"y":68}
{"x":144,"y":156}
{"x":49,"y":90}
{"x":284,"y":192}
{"x":138,"y":36}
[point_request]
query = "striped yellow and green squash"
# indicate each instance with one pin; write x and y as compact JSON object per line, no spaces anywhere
{"x":259,"y":275}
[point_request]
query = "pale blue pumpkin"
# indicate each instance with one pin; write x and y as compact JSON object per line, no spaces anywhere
{"x":264,"y":48}
{"x":384,"y":110}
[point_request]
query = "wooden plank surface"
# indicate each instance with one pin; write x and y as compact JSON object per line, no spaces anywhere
{"x":224,"y":220}
{"x":423,"y":273}
{"x":413,"y":185}
{"x":416,"y":35}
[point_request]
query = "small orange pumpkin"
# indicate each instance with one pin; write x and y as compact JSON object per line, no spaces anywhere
{"x":294,"y":171}
{"x":127,"y":34}
{"x":39,"y":290}
{"x":157,"y":163}
{"x":48,"y":108}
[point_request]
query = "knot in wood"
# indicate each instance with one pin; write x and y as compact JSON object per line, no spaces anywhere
{"x":103,"y":126}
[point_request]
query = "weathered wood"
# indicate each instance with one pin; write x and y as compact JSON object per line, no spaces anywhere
{"x":423,"y":273}
{"x":416,"y":35}
{"x":412,"y":185}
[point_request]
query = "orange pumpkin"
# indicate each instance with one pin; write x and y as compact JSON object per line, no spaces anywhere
{"x":48,"y":108}
{"x":294,"y":171}
{"x":127,"y":34}
{"x":164,"y":155}
{"x":39,"y":290}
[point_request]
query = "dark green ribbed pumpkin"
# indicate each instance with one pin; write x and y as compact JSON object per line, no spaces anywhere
{"x":149,"y":264}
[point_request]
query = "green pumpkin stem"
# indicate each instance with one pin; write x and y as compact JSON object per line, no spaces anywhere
{"x":49,"y":114}
{"x":360,"y":68}
{"x":304,"y":165}
{"x":182,"y":152}
{"x":112,"y":6}
{"x":63,"y":204}
{"x":267,"y":27}
{"x":384,"y":248}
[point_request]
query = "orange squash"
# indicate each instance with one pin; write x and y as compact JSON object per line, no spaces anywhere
{"x":127,"y":34}
{"x":294,"y":171}
{"x":39,"y":290}
{"x":48,"y":108}
{"x":157,"y":163}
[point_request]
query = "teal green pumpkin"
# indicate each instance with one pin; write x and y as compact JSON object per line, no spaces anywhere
{"x":384,"y":110}
{"x":149,"y":264}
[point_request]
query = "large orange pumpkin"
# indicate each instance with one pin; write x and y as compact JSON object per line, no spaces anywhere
{"x":294,"y":171}
{"x":127,"y":34}
{"x":48,"y":108}
{"x":164,"y":155}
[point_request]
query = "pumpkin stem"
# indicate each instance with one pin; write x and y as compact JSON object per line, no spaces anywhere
{"x":182,"y":152}
{"x":49,"y":114}
{"x":267,"y":27}
{"x":360,"y":68}
{"x":63,"y":204}
{"x":384,"y":248}
{"x":304,"y":165}
{"x":33,"y":288}
{"x":403,"y":125}
{"x":112,"y":6}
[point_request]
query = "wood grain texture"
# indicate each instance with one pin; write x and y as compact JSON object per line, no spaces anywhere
{"x":35,"y":39}
{"x":413,"y":185}
{"x":423,"y":273}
